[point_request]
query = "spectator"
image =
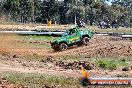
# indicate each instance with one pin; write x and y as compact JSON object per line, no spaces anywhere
{"x":81,"y":23}
{"x":114,"y":24}
{"x":103,"y":24}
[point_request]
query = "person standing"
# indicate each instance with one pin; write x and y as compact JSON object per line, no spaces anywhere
{"x":114,"y":24}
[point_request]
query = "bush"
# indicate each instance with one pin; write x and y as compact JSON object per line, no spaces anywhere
{"x":107,"y":64}
{"x":103,"y":64}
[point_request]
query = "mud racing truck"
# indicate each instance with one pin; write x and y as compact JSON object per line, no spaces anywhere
{"x":71,"y":37}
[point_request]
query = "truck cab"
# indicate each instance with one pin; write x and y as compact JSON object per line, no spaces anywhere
{"x":72,"y":35}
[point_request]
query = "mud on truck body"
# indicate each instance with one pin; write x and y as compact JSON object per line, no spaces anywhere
{"x":71,"y":37}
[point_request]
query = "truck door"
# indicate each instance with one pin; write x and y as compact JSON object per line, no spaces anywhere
{"x":77,"y":35}
{"x":73,"y":37}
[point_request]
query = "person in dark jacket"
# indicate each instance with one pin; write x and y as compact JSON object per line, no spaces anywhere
{"x":114,"y":24}
{"x":81,"y":23}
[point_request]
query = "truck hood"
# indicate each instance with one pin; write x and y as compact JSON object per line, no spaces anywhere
{"x":58,"y":39}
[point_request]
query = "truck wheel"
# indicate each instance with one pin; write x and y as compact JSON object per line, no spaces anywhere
{"x":85,"y":41}
{"x":63,"y":47}
{"x":56,"y":48}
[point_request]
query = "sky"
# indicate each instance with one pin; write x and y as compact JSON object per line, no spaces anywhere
{"x":109,"y":2}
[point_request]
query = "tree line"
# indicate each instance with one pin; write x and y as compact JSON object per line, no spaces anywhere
{"x":66,"y":11}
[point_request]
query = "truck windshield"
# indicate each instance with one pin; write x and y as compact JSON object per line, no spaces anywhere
{"x":69,"y":32}
{"x":65,"y":33}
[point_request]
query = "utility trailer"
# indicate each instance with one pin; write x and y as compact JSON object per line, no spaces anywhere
{"x":86,"y":80}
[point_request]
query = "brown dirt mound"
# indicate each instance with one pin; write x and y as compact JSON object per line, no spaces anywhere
{"x":76,"y":65}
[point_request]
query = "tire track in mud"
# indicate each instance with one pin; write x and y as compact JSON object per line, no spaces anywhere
{"x":65,"y":73}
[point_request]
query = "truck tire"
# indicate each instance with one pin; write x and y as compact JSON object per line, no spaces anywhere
{"x":85,"y":40}
{"x":63,"y":46}
{"x":56,"y":48}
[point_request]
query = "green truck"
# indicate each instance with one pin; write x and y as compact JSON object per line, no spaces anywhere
{"x":71,"y":37}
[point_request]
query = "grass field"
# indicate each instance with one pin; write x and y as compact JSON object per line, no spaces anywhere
{"x":39,"y":80}
{"x":45,"y":81}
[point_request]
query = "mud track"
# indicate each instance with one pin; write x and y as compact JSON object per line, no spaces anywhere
{"x":102,"y":46}
{"x":98,"y":46}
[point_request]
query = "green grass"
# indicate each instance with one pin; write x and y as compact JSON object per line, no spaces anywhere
{"x":114,"y":30}
{"x":106,"y":63}
{"x":129,"y":58}
{"x":34,"y":45}
{"x":9,"y":22}
{"x":35,"y":37}
{"x":124,"y":30}
{"x":39,"y":80}
{"x":111,"y":64}
{"x":34,"y":57}
{"x":101,"y":62}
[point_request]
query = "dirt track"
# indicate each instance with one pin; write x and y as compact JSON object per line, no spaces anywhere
{"x":98,"y":46}
{"x":102,"y":46}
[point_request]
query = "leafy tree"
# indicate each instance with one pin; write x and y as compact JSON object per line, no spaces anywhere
{"x":11,"y":7}
{"x":49,"y":9}
{"x":26,"y":10}
{"x":37,"y":11}
{"x":65,"y":11}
